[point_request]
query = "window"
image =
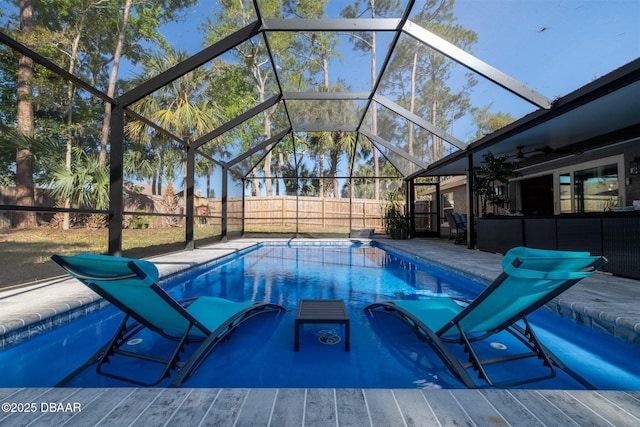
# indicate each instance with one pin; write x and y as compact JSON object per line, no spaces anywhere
{"x":447,"y":201}
{"x":565,"y":193}
{"x":596,"y":189}
{"x":447,"y":205}
{"x":588,"y":187}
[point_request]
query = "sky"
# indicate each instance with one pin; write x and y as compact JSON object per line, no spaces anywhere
{"x":538,"y":42}
{"x":554,"y":46}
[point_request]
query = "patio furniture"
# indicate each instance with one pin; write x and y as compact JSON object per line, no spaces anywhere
{"x":322,"y":311}
{"x":457,"y":227}
{"x":530,"y":279}
{"x":132,"y":286}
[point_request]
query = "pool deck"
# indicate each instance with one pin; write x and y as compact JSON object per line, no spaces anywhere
{"x":602,"y":301}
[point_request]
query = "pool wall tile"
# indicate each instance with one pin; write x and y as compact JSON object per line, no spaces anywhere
{"x":30,"y":325}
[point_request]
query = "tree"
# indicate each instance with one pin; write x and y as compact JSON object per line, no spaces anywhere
{"x":252,"y":55}
{"x":145,"y":25}
{"x":70,"y":33}
{"x":495,"y":170}
{"x":396,"y":222}
{"x":367,"y":42}
{"x":487,"y":122}
{"x":363,"y":183}
{"x":25,"y":189}
{"x":111,"y":88}
{"x":180,"y":107}
{"x":430,"y":96}
{"x":68,"y":23}
{"x":86,"y":185}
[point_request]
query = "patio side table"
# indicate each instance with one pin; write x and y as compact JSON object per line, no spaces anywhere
{"x":321,"y":311}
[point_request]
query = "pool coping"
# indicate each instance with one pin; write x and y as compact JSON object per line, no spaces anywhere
{"x":36,"y":309}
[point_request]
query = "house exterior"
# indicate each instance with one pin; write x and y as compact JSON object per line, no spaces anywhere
{"x":578,"y":183}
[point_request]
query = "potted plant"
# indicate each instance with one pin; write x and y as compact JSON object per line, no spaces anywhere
{"x":396,"y":222}
{"x":487,"y":179}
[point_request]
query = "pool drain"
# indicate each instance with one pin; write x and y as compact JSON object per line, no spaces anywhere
{"x":134,"y":341}
{"x":328,"y":336}
{"x":498,"y":346}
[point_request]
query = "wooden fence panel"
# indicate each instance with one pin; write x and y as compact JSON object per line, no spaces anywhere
{"x":312,"y":213}
{"x":263,"y":213}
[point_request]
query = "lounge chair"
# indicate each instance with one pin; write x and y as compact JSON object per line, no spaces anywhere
{"x":457,"y":229}
{"x":461,"y":223}
{"x":530,"y":279}
{"x":132,"y":286}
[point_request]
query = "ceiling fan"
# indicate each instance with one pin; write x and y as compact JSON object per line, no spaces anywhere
{"x":521,"y":155}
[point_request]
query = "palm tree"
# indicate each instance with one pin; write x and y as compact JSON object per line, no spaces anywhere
{"x":319,"y":144}
{"x":363,"y":183}
{"x":343,"y":142}
{"x":85,"y":184}
{"x":181,"y":107}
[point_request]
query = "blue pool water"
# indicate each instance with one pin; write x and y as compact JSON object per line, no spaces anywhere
{"x":384,"y":352}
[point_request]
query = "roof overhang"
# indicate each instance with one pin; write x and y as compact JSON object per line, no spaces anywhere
{"x":604,"y":112}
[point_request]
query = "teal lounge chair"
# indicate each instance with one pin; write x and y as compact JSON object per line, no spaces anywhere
{"x":132,"y":286}
{"x":530,"y":279}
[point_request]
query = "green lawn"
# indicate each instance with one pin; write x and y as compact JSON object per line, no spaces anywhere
{"x":26,"y":253}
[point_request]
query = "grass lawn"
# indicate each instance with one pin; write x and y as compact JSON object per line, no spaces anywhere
{"x":26,"y":253}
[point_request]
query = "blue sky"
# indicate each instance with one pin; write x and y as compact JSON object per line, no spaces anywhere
{"x":554,"y":46}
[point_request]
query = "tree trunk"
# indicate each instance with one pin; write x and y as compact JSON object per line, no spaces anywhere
{"x":111,"y":90}
{"x":281,"y":169}
{"x":435,"y":146}
{"x":255,"y":183}
{"x":268,"y":159}
{"x":374,"y":110}
{"x":412,"y":104}
{"x":25,"y":194}
{"x":160,"y":174}
{"x":320,"y":174}
{"x":70,"y":93}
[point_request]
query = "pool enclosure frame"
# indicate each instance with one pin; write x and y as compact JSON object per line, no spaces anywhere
{"x":261,"y":27}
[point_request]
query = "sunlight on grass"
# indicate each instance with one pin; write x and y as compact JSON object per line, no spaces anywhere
{"x":26,"y":253}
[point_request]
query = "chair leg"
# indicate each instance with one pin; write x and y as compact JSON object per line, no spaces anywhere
{"x":124,"y":333}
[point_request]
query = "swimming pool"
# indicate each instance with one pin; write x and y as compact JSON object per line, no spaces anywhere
{"x":384,"y":352}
